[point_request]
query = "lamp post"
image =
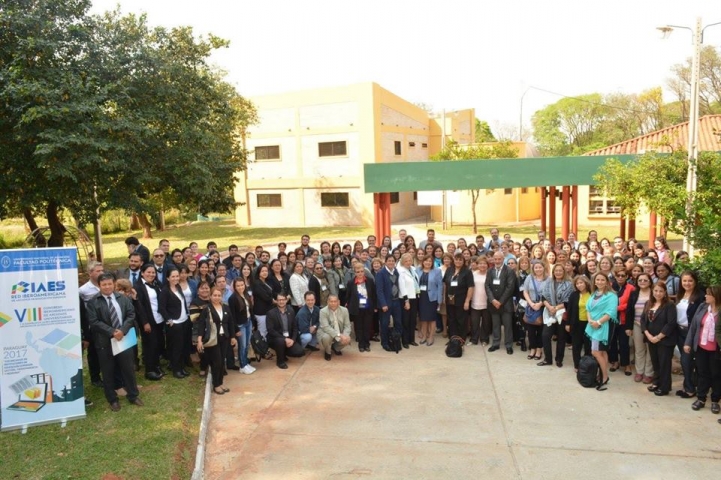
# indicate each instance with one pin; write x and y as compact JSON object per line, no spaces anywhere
{"x":691,"y":179}
{"x":520,"y":116}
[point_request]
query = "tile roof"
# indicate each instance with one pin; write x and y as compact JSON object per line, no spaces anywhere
{"x":669,"y":139}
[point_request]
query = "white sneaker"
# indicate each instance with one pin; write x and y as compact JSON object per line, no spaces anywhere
{"x":247,"y":370}
{"x":251,"y":368}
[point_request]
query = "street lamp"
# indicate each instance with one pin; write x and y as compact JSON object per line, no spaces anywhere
{"x":520,"y":120}
{"x":691,"y":180}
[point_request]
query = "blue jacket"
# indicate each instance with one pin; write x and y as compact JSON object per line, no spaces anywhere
{"x":384,"y":288}
{"x":435,"y":283}
{"x":307,"y":319}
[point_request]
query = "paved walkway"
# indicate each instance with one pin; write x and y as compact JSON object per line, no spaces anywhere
{"x":421,"y":415}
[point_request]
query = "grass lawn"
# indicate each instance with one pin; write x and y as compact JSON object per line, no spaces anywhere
{"x":155,"y":441}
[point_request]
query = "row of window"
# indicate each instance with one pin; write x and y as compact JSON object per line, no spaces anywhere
{"x":327,"y":199}
{"x":325,"y":149}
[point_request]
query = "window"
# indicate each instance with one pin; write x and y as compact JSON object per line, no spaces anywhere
{"x":415,"y":195}
{"x":524,"y":190}
{"x":397,"y":147}
{"x":395,"y":197}
{"x":507,"y":191}
{"x":600,"y":204}
{"x":411,"y":144}
{"x":269,"y":200}
{"x":424,"y":145}
{"x":332,"y":149}
{"x":269,"y":152}
{"x":334,"y":199}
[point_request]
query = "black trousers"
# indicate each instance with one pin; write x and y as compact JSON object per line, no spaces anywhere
{"x":93,"y":362}
{"x":535,"y":337}
{"x":579,"y":342}
{"x":481,"y":326}
{"x":212,"y":356}
{"x":456,"y":320}
{"x":708,"y":366}
{"x":122,"y":363}
{"x":175,"y":337}
{"x":661,"y":356}
{"x":151,"y":352}
{"x":282,"y":352}
{"x":547,"y":336}
{"x":410,"y":319}
{"x":363,"y":327}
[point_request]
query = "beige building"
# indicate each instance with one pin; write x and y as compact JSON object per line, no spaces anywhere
{"x":309,"y":147}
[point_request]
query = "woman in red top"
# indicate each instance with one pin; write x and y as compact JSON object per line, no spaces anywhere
{"x":619,"y":342}
{"x":702,"y":338}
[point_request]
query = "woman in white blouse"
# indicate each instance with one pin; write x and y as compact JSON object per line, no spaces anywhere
{"x":298,"y":286}
{"x":408,"y":289}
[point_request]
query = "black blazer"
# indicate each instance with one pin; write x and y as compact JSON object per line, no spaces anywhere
{"x":572,"y":310}
{"x":631,"y":308}
{"x":275,"y":325}
{"x":169,"y":305}
{"x":352,"y":296}
{"x":664,"y":321}
{"x":314,"y":286}
{"x":237,"y":306}
{"x":209,"y":314}
{"x":143,"y":310}
{"x":99,"y":318}
{"x":144,"y":253}
{"x":262,"y":298}
{"x":276,"y":286}
{"x":166,"y":270}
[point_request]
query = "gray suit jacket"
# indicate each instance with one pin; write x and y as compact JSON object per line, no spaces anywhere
{"x":503,"y":292}
{"x":327,"y":326}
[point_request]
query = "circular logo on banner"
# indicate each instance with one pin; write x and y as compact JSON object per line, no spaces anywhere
{"x":5,"y":262}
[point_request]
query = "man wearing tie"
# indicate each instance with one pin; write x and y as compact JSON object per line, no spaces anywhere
{"x":132,"y":273}
{"x":161,"y":272}
{"x":111,"y":315}
{"x":500,"y":284}
{"x":334,"y":332}
{"x":389,"y":301}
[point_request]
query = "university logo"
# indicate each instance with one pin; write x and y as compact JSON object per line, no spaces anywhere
{"x":5,"y":262}
{"x":20,"y":287}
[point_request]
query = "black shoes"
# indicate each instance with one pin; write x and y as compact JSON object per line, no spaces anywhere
{"x":698,"y":404}
{"x":715,"y":408}
{"x":493,"y":348}
{"x":387,"y":348}
{"x":337,"y":352}
{"x":283,"y":365}
{"x":97,"y":383}
{"x":414,"y":344}
{"x":178,"y":375}
{"x":234,"y":367}
{"x":660,"y":393}
{"x":509,"y":351}
{"x":405,"y":345}
{"x":544,"y":363}
{"x":328,"y":356}
{"x":685,"y":394}
{"x":312,"y":348}
{"x":115,"y":406}
{"x":559,"y":364}
{"x":137,"y":402}
{"x":153,"y":376}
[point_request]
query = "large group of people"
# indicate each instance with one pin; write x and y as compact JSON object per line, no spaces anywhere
{"x":628,"y":305}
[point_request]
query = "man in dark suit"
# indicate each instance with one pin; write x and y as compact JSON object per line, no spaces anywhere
{"x":389,"y":301}
{"x":134,"y":245}
{"x":132,"y":272}
{"x":283,"y":331}
{"x":111,"y":315}
{"x":161,"y":269}
{"x":500,"y":284}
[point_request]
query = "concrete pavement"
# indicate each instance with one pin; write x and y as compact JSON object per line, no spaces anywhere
{"x":422,"y":415}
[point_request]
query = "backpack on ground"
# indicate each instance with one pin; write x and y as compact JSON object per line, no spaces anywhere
{"x":395,"y":341}
{"x":589,"y":372}
{"x":454,"y":349}
{"x":260,"y":346}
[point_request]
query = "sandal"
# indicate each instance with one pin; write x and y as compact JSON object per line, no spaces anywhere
{"x":698,"y":405}
{"x":225,"y":390}
{"x":614,"y":367}
{"x":602,"y":386}
{"x":221,"y":392}
{"x":652,"y":387}
{"x":537,"y":357}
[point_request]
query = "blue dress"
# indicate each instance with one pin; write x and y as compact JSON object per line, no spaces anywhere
{"x":427,"y":310}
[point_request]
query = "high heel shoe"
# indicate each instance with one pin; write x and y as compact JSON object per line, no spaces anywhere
{"x":602,"y":386}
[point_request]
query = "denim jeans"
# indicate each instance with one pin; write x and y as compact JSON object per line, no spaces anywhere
{"x":243,"y":342}
{"x":308,"y":339}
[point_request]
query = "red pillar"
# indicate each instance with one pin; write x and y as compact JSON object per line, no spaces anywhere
{"x":377,"y":215}
{"x":623,"y":226}
{"x":385,"y":203}
{"x":565,"y":208}
{"x":652,"y":229}
{"x":574,"y":209}
{"x":543,"y":209}
{"x":552,"y":214}
{"x":631,"y":228}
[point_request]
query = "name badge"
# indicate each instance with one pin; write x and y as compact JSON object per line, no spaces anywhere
{"x":362,"y":302}
{"x":496,"y":281}
{"x":454,"y":283}
{"x":424,"y":288}
{"x":323,"y":287}
{"x":341,"y":286}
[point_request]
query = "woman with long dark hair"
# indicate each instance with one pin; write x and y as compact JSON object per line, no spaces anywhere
{"x":703,"y":339}
{"x":533,"y":288}
{"x":195,"y":308}
{"x":636,"y":304}
{"x":174,"y":309}
{"x":690,"y":297}
{"x":262,"y":298}
{"x":241,"y":305}
{"x":213,"y":326}
{"x":458,"y":291}
{"x":658,"y":323}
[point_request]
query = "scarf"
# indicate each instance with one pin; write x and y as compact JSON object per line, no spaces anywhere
{"x":708,"y":334}
{"x":606,"y":304}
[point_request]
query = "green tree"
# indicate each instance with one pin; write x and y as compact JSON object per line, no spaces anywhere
{"x":483,"y":132}
{"x":104,"y":112}
{"x":453,"y":151}
{"x":709,"y":83}
{"x":659,"y":183}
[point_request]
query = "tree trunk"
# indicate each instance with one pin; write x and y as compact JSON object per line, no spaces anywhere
{"x":33,"y":226}
{"x":57,"y":229}
{"x":134,"y":222}
{"x":160,"y":223}
{"x":147,"y":226}
{"x":474,"y":199}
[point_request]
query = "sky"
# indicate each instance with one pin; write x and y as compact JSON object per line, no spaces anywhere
{"x":493,"y":56}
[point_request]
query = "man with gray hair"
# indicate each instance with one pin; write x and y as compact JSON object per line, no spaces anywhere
{"x":500,"y":284}
{"x":334,"y":332}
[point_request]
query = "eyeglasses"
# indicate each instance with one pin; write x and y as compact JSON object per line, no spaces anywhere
{"x":158,"y":256}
